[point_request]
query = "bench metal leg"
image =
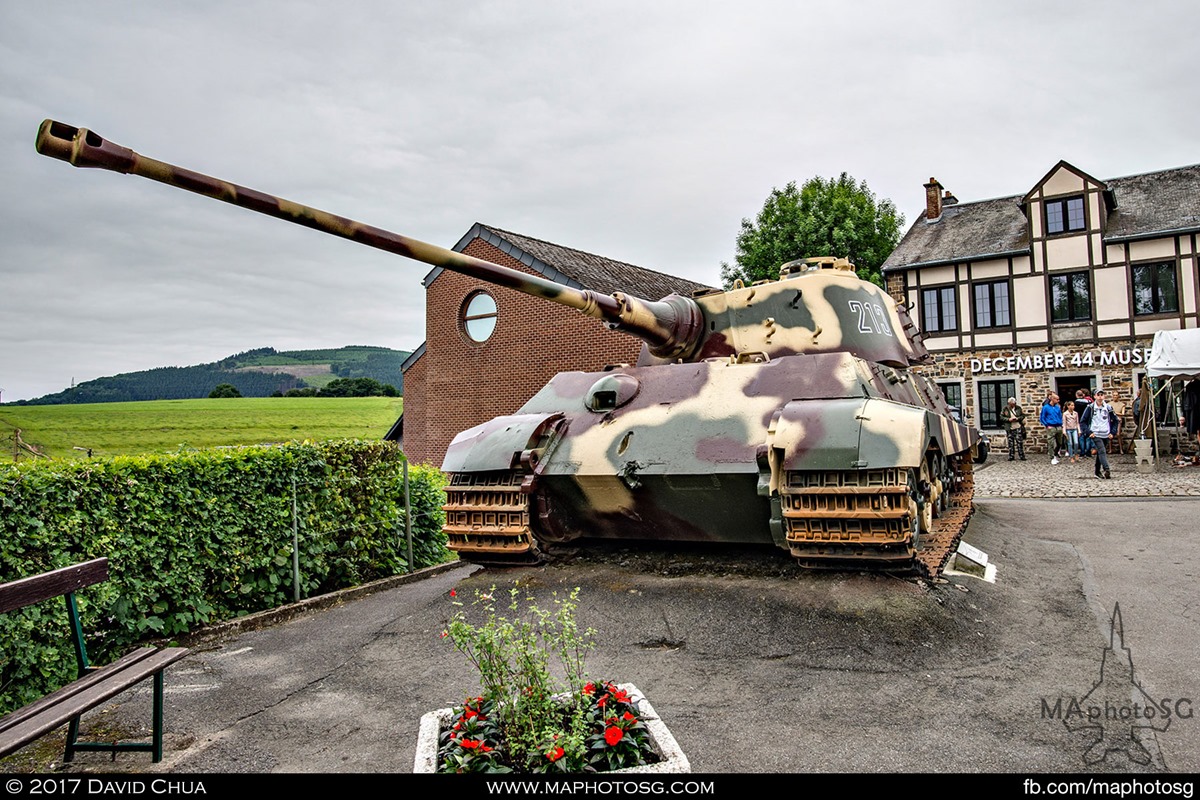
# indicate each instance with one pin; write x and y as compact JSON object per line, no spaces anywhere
{"x":72,"y":737}
{"x":158,"y":716}
{"x":155,"y":747}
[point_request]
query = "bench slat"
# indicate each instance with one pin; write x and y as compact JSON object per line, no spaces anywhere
{"x":35,"y":589}
{"x":56,"y":709}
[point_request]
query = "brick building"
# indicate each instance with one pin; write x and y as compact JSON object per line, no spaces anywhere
{"x":1056,"y":289}
{"x":488,"y":349}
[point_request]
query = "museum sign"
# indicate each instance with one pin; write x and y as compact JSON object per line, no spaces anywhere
{"x":1051,"y":359}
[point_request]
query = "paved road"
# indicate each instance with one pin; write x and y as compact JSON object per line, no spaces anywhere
{"x":753,"y":664}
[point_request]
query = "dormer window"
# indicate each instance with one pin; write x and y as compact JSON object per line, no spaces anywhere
{"x":1065,"y":215}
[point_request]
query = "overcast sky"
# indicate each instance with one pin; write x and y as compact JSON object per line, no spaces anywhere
{"x":641,"y":131}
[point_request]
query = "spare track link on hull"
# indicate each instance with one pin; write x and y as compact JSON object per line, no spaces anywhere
{"x":487,"y":519}
{"x":863,"y":519}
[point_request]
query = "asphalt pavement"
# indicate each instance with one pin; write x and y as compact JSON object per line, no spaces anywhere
{"x":754,"y":665}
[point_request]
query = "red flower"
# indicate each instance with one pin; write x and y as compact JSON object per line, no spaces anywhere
{"x":629,"y":717}
{"x":555,"y":754}
{"x":590,"y":688}
{"x":621,"y":695}
{"x":475,"y":744}
{"x":453,"y":593}
{"x":613,"y":735}
{"x":602,"y":700}
{"x":445,"y":634}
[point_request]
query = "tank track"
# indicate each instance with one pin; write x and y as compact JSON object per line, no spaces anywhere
{"x":487,"y":518}
{"x":832,"y":520}
{"x":864,"y":519}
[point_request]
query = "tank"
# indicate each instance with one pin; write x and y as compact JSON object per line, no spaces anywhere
{"x":783,"y":413}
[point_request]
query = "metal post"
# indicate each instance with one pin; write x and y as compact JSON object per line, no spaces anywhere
{"x":295,"y":547}
{"x":408,"y":517}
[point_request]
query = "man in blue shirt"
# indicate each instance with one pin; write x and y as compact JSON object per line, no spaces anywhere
{"x":1051,"y":419}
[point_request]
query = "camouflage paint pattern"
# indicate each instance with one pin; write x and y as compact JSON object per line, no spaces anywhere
{"x":782,"y":412}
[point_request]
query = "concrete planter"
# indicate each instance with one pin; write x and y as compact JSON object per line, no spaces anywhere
{"x":673,"y":759}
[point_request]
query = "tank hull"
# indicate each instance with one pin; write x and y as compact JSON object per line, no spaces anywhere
{"x":840,"y":461}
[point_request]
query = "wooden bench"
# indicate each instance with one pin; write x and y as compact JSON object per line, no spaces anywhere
{"x":95,"y":684}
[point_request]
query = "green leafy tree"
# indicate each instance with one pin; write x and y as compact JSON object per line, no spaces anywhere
{"x":225,"y":390}
{"x":834,"y":217}
{"x":358,"y":387}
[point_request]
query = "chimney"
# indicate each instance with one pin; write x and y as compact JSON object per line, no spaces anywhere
{"x":933,"y":200}
{"x":948,"y":199}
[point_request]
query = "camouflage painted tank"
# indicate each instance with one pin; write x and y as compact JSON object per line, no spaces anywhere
{"x":784,"y":412}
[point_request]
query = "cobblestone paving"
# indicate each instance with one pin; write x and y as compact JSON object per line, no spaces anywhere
{"x":1037,"y":477}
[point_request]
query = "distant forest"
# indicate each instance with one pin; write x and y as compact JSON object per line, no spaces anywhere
{"x":240,"y":370}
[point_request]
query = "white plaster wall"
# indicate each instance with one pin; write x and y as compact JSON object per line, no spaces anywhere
{"x":1112,"y":329}
{"x":1114,"y":254}
{"x":942,"y":343}
{"x":1146,"y":327}
{"x":1111,"y":291}
{"x":1152,"y":248}
{"x":993,"y":339}
{"x":1029,"y":301}
{"x":932,"y":275}
{"x":1187,"y":285}
{"x":1063,"y":181}
{"x":982,"y":270}
{"x":1067,"y":252}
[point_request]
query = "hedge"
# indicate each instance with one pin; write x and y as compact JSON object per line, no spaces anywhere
{"x":198,"y":537}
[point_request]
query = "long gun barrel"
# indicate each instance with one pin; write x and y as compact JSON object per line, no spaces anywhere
{"x":671,"y":327}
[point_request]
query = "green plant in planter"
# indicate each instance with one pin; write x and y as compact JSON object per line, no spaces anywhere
{"x":526,"y":720}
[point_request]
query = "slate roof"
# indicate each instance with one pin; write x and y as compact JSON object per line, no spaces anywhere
{"x":577,"y":268}
{"x":1149,"y":205}
{"x":1155,"y":203}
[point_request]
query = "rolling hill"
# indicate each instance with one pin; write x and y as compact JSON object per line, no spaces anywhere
{"x":255,"y":373}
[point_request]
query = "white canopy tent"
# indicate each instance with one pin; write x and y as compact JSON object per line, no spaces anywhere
{"x":1174,"y":355}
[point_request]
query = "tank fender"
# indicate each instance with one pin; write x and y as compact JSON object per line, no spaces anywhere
{"x":849,"y":433}
{"x":502,"y":443}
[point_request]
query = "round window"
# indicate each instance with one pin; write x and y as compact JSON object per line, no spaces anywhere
{"x":479,"y":316}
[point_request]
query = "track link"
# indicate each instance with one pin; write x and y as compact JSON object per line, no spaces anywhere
{"x":866,"y":519}
{"x":487,"y":519}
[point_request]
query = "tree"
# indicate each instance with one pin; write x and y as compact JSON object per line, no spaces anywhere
{"x":225,"y":390}
{"x":358,"y":387}
{"x":835,"y":217}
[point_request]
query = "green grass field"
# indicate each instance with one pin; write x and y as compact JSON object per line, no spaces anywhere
{"x":165,"y":426}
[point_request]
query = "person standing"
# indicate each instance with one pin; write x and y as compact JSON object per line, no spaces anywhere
{"x":1083,"y":399}
{"x":1191,"y":414}
{"x":1071,"y":430}
{"x":1051,"y":420}
{"x":1102,"y":421}
{"x":1013,"y":418}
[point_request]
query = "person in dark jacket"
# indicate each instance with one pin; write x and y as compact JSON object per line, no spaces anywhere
{"x":1191,"y":413}
{"x":1083,"y":399}
{"x":1013,"y":419}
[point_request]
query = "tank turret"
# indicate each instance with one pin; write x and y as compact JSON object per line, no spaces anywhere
{"x":780,"y":413}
